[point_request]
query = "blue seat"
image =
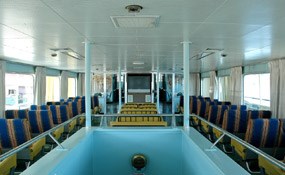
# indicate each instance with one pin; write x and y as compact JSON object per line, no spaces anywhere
{"x":216,"y":114}
{"x":13,"y":114}
{"x":41,"y":121}
{"x":39,"y":107}
{"x":15,"y":132}
{"x":60,"y":114}
{"x":254,"y":114}
{"x":261,"y":133}
{"x":238,"y":107}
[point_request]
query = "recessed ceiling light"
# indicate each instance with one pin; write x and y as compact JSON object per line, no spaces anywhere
{"x":138,"y":63}
{"x":137,"y":21}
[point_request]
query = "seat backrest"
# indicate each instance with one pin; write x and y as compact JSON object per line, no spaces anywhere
{"x":72,"y":108}
{"x":60,"y":113}
{"x":262,"y":133}
{"x":40,"y":120}
{"x":224,"y":103}
{"x":216,"y":113}
{"x":94,"y":101}
{"x":81,"y":105}
{"x":39,"y":107}
{"x":281,"y":134}
{"x":203,"y":108}
{"x":54,"y":103}
{"x":13,"y":114}
{"x":193,"y":105}
{"x":254,"y":114}
{"x":238,"y":107}
{"x":14,"y":132}
{"x":235,"y":121}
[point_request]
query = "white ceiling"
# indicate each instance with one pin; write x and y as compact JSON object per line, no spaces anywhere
{"x":248,"y":31}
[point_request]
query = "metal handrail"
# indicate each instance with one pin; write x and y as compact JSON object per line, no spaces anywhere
{"x":31,"y":141}
{"x":244,"y":143}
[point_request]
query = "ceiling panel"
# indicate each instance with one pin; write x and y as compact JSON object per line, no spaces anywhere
{"x":247,"y":31}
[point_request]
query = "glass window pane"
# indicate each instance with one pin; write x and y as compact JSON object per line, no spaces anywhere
{"x":205,"y":87}
{"x":71,"y":87}
{"x":52,"y":88}
{"x":257,"y":91}
{"x":19,"y":91}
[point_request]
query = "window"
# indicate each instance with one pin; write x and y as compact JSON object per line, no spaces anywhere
{"x":52,"y":88}
{"x":205,"y":87}
{"x":224,"y":88}
{"x":257,"y":91}
{"x":19,"y":91}
{"x":71,"y":87}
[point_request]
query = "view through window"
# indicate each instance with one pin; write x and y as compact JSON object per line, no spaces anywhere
{"x":257,"y":91}
{"x":19,"y":91}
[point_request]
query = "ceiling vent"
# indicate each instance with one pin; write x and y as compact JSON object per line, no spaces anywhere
{"x":136,"y":21}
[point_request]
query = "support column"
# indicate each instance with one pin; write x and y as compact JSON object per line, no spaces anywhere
{"x":157,"y":91}
{"x":173,"y":93}
{"x":126,"y":89}
{"x":87,"y":84}
{"x":152,"y":87}
{"x":120,"y":89}
{"x":186,"y":53}
{"x":105,"y":94}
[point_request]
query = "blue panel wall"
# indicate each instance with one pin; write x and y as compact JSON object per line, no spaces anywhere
{"x":114,"y":150}
{"x":78,"y":161}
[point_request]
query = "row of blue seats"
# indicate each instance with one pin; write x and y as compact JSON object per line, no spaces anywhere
{"x":94,"y":101}
{"x":255,"y":127}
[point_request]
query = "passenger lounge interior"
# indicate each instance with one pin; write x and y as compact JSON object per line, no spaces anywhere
{"x":216,"y":67}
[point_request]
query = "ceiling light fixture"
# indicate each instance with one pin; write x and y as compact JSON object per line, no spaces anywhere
{"x":138,"y":21}
{"x":138,"y":63}
{"x":68,"y":52}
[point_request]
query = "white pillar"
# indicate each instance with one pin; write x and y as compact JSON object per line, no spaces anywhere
{"x":126,"y":89}
{"x":120,"y":89}
{"x":173,"y":93}
{"x":157,"y":91}
{"x":152,"y":87}
{"x":87,"y":84}
{"x":186,"y":51}
{"x":105,"y":94}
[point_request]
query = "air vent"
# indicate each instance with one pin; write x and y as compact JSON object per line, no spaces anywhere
{"x":137,"y":21}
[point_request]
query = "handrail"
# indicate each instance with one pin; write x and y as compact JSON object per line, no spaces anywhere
{"x":244,"y":143}
{"x":31,"y":141}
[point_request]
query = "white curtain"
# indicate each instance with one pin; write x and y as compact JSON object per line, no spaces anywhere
{"x":224,"y":92}
{"x":277,"y":88}
{"x":194,"y":84}
{"x":274,"y":87}
{"x":2,"y":88}
{"x":40,"y":86}
{"x":236,"y":85}
{"x":64,"y":85}
{"x":213,"y":90}
{"x":281,"y":104}
{"x":81,"y":84}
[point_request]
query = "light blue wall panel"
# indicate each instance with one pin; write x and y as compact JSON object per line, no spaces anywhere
{"x":256,"y":69}
{"x":19,"y":68}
